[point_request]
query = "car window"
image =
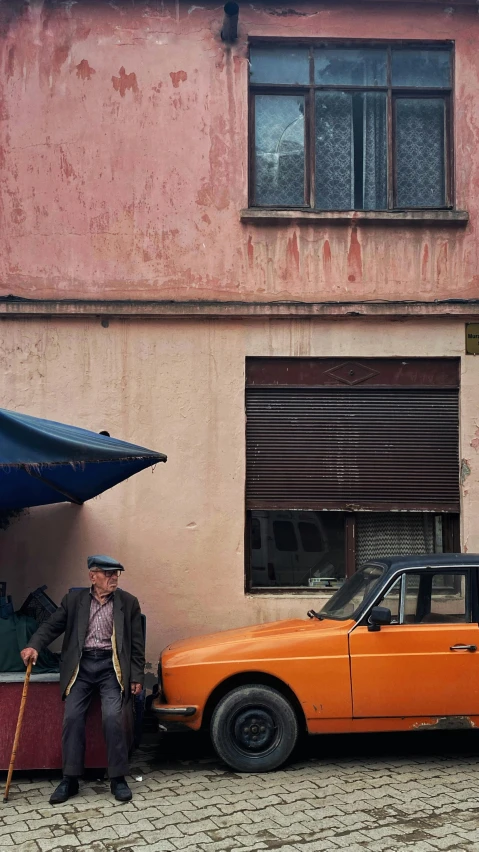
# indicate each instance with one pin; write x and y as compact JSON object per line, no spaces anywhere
{"x":310,"y":537}
{"x":439,"y":598}
{"x":284,"y":536}
{"x":347,"y":600}
{"x":392,"y":600}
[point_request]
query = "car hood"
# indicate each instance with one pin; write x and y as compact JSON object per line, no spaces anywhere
{"x":247,"y":635}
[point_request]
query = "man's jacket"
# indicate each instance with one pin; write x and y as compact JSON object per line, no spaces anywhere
{"x":72,"y":617}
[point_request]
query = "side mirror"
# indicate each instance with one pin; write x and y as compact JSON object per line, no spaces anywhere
{"x":378,"y":617}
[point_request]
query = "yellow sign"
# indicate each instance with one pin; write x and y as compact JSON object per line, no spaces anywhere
{"x":472,"y":338}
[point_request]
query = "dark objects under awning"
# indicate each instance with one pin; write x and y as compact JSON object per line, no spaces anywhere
{"x":43,"y":462}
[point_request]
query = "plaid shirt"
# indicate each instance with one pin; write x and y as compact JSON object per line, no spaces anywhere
{"x":100,"y":625}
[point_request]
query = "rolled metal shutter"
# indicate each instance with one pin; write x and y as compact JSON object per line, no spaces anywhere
{"x":352,"y":448}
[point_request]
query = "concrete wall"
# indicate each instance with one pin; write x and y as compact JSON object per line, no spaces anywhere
{"x":178,"y":387}
{"x":124,"y":158}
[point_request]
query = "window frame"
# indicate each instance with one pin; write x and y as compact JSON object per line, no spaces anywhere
{"x":392,"y":94}
{"x":471,"y":603}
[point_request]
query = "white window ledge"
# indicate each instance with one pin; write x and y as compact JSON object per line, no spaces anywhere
{"x":361,"y":217}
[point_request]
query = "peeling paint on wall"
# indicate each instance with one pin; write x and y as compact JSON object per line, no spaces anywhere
{"x":166,"y":153}
{"x":465,"y":470}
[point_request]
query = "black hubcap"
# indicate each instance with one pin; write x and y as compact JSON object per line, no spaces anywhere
{"x":254,"y":729}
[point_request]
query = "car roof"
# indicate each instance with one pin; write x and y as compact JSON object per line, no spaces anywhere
{"x":428,"y":560}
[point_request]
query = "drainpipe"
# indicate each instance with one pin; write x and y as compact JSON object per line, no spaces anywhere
{"x":230,"y":22}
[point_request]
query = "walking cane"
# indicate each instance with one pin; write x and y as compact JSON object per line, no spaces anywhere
{"x":18,"y":729}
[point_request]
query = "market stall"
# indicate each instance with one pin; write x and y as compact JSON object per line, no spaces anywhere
{"x":44,"y":462}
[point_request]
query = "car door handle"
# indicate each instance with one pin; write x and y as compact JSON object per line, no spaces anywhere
{"x":470,"y":648}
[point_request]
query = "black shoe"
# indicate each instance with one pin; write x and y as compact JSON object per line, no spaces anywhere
{"x":120,"y":789}
{"x":67,"y":787}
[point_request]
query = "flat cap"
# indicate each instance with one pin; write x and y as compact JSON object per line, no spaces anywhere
{"x":106,"y":563}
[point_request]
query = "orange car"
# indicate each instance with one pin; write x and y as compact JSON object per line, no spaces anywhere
{"x":394,"y":649}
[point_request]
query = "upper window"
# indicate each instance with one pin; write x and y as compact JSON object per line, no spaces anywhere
{"x":351,"y":128}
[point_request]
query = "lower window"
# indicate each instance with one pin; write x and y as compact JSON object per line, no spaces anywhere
{"x":318,"y":550}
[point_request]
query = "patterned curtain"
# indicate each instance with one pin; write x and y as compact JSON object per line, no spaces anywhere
{"x":375,"y":151}
{"x":420,"y":152}
{"x":351,"y":151}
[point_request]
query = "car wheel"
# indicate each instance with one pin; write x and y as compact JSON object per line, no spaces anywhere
{"x":254,"y":729}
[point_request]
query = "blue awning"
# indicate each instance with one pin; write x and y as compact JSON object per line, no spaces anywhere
{"x":42,"y":462}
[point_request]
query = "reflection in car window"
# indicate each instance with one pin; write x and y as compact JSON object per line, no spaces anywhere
{"x":350,"y":596}
{"x":310,"y":537}
{"x":284,"y":535}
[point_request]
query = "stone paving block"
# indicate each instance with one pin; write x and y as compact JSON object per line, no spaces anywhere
{"x":22,"y":836}
{"x":55,"y":821}
{"x":191,"y":843}
{"x":225,"y":820}
{"x":27,"y":846}
{"x":97,"y":823}
{"x":15,"y":823}
{"x":90,"y":836}
{"x":135,"y":828}
{"x":58,"y":842}
{"x":157,"y":846}
{"x":166,"y":831}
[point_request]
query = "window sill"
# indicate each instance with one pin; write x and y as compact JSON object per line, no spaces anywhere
{"x":456,"y":218}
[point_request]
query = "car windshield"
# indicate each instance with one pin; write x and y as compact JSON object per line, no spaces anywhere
{"x":350,"y":596}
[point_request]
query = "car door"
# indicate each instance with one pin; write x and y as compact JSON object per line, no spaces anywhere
{"x":426,"y":662}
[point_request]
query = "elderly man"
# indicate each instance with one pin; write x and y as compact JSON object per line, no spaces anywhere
{"x":103,"y":650}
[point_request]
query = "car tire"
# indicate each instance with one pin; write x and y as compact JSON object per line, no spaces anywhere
{"x":254,"y":729}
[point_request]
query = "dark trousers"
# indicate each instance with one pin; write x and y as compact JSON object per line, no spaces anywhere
{"x":96,"y":673}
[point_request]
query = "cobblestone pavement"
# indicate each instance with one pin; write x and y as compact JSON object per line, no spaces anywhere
{"x":417,"y":793}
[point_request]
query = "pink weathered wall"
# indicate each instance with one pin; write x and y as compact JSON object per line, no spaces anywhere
{"x":124,"y":159}
{"x":178,"y":387}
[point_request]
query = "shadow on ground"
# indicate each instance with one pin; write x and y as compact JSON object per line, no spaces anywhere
{"x":167,"y":750}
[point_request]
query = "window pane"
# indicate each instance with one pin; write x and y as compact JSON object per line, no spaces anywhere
{"x":255,"y":534}
{"x":284,"y":537}
{"x":334,"y":151}
{"x":421,"y":68}
{"x":279,"y":150}
{"x":350,"y":67}
{"x":346,"y":601}
{"x":279,"y":65}
{"x":393,"y":534}
{"x":448,"y":598}
{"x":310,"y":537}
{"x":351,"y":151}
{"x":298,"y":548}
{"x":392,"y":599}
{"x":420,"y":152}
{"x":436,"y":599}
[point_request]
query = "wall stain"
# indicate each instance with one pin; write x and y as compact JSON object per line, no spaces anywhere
{"x":10,"y":63}
{"x":125,"y":82}
{"x":178,"y":77}
{"x":292,"y":251}
{"x":250,"y":252}
{"x":84,"y":70}
{"x":326,"y":258}
{"x":475,"y":440}
{"x":66,"y":168}
{"x":355,"y":263}
{"x":425,"y":261}
{"x":442,"y":264}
